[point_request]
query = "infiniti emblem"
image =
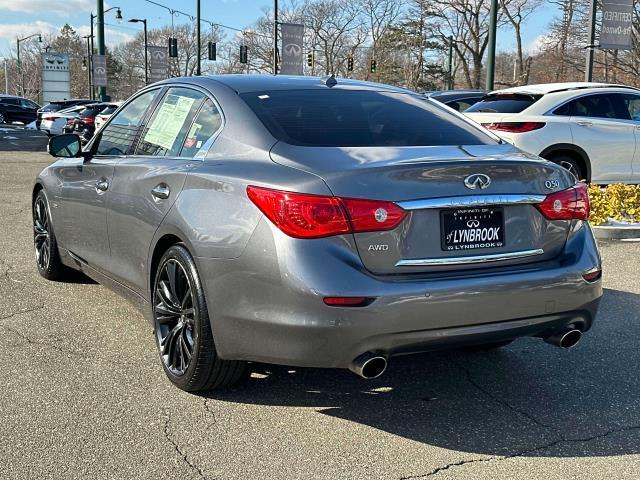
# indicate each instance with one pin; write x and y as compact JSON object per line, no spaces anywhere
{"x":473,"y":223}
{"x":477,"y":180}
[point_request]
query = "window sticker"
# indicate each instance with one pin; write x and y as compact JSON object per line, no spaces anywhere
{"x":169,"y":121}
{"x":193,"y":134}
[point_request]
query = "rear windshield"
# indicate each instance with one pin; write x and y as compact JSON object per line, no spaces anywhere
{"x":109,"y":110}
{"x":503,"y":103}
{"x":359,"y":118}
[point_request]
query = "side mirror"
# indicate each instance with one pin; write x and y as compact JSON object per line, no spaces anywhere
{"x":66,"y":145}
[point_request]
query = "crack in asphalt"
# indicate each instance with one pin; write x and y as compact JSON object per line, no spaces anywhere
{"x":22,"y":312}
{"x":539,"y":448}
{"x":501,"y":401}
{"x":179,"y":451}
{"x":208,"y":409}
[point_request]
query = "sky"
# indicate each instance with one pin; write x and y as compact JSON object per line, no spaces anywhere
{"x":24,"y":17}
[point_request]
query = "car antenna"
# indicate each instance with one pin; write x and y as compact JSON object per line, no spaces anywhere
{"x":329,"y":80}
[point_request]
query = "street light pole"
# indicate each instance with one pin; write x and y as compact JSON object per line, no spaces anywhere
{"x":198,"y":46}
{"x":450,"y":65}
{"x":588,"y":71}
{"x":20,"y":77}
{"x":100,"y":34}
{"x":6,"y":78}
{"x":146,"y":57}
{"x":275,"y":37}
{"x":491,"y":61}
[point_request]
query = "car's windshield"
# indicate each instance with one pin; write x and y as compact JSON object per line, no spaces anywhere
{"x":504,"y":103}
{"x":360,"y":118}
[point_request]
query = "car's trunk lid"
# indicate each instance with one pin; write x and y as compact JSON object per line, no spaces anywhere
{"x":429,"y":182}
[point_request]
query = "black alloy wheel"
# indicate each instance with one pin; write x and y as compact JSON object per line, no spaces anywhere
{"x":182,"y":327}
{"x":41,"y":239}
{"x":174,"y":314}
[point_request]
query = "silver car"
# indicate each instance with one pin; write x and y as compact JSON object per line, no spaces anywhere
{"x":315,"y":222}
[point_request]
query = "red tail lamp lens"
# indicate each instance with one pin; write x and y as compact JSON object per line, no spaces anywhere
{"x":570,"y":204}
{"x":302,"y":215}
{"x":514,"y":127}
{"x":592,"y":275}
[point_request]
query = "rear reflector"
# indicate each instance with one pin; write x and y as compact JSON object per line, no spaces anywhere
{"x":570,"y":204}
{"x":514,"y":127}
{"x":592,"y":275}
{"x":302,"y":215}
{"x":347,"y":301}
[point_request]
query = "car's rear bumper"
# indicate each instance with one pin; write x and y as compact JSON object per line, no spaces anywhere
{"x":267,"y":305}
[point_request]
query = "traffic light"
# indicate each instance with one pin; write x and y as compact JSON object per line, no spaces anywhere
{"x":212,"y":50}
{"x":310,"y":59}
{"x":243,"y":53}
{"x":350,"y":63}
{"x":373,"y":66}
{"x":173,"y":47}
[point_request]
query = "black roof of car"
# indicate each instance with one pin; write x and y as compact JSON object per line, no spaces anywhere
{"x":243,"y":83}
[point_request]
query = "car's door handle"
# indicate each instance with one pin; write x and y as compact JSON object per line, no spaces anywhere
{"x":102,"y":185}
{"x":161,"y":191}
{"x":583,"y":123}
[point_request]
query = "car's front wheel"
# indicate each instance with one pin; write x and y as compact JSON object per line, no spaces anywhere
{"x":182,"y":328}
{"x":44,"y":240}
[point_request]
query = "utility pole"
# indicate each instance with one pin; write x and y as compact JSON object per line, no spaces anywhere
{"x":588,"y":71}
{"x":198,"y":53}
{"x":491,"y":60}
{"x":102,"y":91}
{"x":275,"y":37}
{"x":450,"y":65}
{"x":6,"y":78}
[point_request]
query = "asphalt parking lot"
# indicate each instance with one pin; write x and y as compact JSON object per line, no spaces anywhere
{"x":84,"y":396}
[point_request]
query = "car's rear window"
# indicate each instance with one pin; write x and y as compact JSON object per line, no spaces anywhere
{"x":504,"y":103}
{"x":359,"y":118}
{"x":109,"y":110}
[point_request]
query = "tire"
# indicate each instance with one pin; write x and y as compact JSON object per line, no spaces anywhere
{"x":182,"y":328}
{"x":571,"y":164}
{"x":2,"y":118}
{"x":44,"y":241}
{"x":488,"y":346}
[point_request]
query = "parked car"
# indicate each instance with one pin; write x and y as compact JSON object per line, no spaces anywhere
{"x":316,"y":222}
{"x":459,"y":100}
{"x":17,"y":109}
{"x":102,"y":117}
{"x":589,"y":128}
{"x":84,"y":123}
{"x":60,"y":105}
{"x":53,"y":123}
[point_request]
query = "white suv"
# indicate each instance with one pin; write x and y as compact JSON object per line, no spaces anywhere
{"x":592,"y":129}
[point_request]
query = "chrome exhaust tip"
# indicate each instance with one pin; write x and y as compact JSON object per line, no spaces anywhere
{"x":565,"y":338}
{"x":369,"y":365}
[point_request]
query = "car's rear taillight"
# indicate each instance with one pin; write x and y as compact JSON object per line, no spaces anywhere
{"x":88,"y":119}
{"x":514,"y":127}
{"x":302,"y":215}
{"x":570,"y":204}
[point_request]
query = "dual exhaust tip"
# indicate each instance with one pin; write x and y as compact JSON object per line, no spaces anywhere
{"x":370,"y":365}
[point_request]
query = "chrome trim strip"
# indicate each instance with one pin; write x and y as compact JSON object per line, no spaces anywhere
{"x":493,"y":257}
{"x":471,"y":201}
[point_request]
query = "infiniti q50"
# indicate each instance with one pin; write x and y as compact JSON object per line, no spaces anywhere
{"x":315,"y":222}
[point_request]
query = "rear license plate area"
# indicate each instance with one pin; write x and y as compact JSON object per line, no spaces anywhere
{"x":472,"y":228}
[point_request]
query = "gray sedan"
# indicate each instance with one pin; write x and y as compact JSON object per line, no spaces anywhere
{"x":315,"y":222}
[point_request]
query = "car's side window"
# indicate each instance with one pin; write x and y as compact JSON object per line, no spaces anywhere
{"x":632,"y":104}
{"x":120,"y":134}
{"x":595,"y":106}
{"x":167,"y":129}
{"x":206,"y":124}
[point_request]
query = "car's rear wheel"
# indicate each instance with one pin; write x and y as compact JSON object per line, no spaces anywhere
{"x":182,"y":328}
{"x":2,"y":118}
{"x":571,"y":164}
{"x":44,"y":240}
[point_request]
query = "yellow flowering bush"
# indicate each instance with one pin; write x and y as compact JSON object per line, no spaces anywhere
{"x":617,"y":201}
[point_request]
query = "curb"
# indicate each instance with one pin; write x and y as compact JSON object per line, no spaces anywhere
{"x":616,"y":233}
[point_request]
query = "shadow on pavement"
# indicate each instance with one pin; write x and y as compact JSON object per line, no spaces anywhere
{"x":529,"y":398}
{"x":17,"y":139}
